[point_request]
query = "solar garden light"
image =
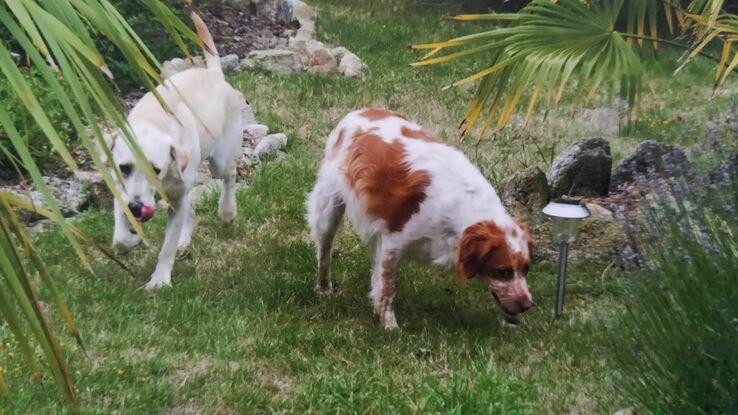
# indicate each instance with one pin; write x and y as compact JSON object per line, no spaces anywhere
{"x":565,"y":214}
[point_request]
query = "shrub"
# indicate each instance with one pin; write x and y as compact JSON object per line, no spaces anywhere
{"x":678,"y":342}
{"x":153,"y":34}
{"x":36,"y":141}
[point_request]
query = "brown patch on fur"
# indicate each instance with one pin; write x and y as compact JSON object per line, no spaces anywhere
{"x":484,"y":251}
{"x":388,"y":286}
{"x":526,"y":236}
{"x":380,"y":175}
{"x":376,"y":114}
{"x":417,"y":134}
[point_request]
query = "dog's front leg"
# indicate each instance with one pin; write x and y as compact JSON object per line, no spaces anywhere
{"x":123,"y":238}
{"x":162,"y":275}
{"x":383,"y":285}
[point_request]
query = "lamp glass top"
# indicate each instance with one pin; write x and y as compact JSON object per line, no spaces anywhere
{"x":566,"y":209}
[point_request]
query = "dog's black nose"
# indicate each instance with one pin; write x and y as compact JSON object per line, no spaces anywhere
{"x":135,"y":207}
{"x":525,"y":305}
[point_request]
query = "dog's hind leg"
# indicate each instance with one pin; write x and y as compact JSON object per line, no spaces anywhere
{"x":325,"y":208}
{"x":187,"y":227}
{"x":225,"y":156}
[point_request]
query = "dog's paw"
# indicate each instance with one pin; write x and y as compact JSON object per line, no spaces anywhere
{"x":126,"y":243}
{"x":388,"y":321}
{"x":227,"y":216}
{"x":157,"y":283}
{"x":326,"y":288}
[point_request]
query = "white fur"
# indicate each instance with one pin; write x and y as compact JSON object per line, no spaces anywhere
{"x":205,"y":124}
{"x":457,"y":197}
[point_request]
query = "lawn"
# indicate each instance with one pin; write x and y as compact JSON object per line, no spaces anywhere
{"x":241,"y":330}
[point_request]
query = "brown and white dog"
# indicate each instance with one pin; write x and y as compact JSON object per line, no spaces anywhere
{"x":410,"y":195}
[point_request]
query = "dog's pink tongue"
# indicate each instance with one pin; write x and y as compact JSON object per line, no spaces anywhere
{"x":147,"y":212}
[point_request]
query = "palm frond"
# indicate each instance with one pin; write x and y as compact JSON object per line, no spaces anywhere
{"x":551,"y":47}
{"x":58,"y":39}
{"x":547,"y":48}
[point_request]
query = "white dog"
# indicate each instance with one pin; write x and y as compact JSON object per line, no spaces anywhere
{"x":205,"y":123}
{"x":410,"y":195}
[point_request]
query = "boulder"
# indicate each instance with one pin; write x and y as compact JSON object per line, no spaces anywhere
{"x":339,"y":52}
{"x":279,"y":11}
{"x":280,"y":61}
{"x":176,"y":65}
{"x":70,"y":194}
{"x":652,"y":158}
{"x":303,"y":13}
{"x":726,"y":173}
{"x":582,"y":169}
{"x":256,"y":131}
{"x":93,"y":183}
{"x":270,"y":146}
{"x":229,"y":63}
{"x":526,"y":191}
{"x":351,"y":65}
{"x":322,"y":61}
{"x":249,"y":158}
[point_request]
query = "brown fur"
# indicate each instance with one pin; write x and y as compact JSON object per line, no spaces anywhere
{"x":388,"y":286}
{"x":484,"y":251}
{"x":379,"y":174}
{"x":376,"y":114}
{"x":417,"y":134}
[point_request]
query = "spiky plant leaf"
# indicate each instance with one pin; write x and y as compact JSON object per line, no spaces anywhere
{"x":58,"y":39}
{"x":551,"y":47}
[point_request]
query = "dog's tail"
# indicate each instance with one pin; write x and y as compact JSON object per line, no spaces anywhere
{"x":212,"y":59}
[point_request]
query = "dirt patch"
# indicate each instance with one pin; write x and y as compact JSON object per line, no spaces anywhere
{"x":191,"y":369}
{"x":280,"y":384}
{"x":240,"y":30}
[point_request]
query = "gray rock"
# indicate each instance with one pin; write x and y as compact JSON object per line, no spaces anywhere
{"x":229,"y":63}
{"x":176,"y":65}
{"x":582,"y":169}
{"x":627,"y":411}
{"x":70,"y":194}
{"x":249,"y":158}
{"x":526,"y":191}
{"x":351,"y":65}
{"x":93,"y":183}
{"x":322,"y":61}
{"x":339,"y":52}
{"x":302,"y":12}
{"x":270,"y":146}
{"x":652,"y":158}
{"x":280,"y":61}
{"x":256,"y":131}
{"x":306,"y":16}
{"x":279,"y":11}
{"x":173,"y":66}
{"x":726,"y":173}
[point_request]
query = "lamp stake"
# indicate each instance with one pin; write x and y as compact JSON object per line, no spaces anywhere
{"x":563,"y":254}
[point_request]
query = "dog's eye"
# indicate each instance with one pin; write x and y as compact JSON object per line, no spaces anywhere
{"x":504,"y":274}
{"x":126,"y":169}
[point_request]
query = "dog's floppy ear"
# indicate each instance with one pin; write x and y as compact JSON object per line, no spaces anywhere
{"x":475,"y":247}
{"x":179,"y":157}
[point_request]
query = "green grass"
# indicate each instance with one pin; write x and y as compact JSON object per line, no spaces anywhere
{"x":241,"y":329}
